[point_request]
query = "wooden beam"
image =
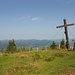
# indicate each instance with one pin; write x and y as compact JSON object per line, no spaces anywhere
{"x":65,"y":25}
{"x":66,"y":34}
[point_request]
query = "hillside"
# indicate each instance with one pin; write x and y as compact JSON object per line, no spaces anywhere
{"x":46,"y":62}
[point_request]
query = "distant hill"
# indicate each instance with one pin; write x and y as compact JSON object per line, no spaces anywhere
{"x":29,"y":43}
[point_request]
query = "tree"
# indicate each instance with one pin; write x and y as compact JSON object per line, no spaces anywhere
{"x":62,"y":44}
{"x":53,"y":45}
{"x":11,"y":47}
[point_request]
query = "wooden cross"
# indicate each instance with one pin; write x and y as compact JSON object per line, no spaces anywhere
{"x":66,"y":32}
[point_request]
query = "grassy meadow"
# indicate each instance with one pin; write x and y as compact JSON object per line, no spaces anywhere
{"x":41,"y":62}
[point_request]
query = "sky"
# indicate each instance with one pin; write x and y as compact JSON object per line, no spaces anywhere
{"x":35,"y":19}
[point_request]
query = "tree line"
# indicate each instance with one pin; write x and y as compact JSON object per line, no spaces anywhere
{"x":11,"y":47}
{"x":62,"y":45}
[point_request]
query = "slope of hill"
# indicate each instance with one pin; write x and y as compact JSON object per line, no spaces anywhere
{"x":51,"y":62}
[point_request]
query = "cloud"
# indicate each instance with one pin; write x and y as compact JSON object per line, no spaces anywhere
{"x":28,"y":18}
{"x":21,"y":18}
{"x":35,"y":18}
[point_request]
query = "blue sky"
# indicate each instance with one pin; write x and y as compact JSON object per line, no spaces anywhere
{"x":35,"y":19}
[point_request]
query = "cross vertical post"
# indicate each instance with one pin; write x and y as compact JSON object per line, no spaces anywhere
{"x":66,"y":32}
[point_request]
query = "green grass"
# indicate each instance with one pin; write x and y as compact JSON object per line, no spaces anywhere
{"x":51,"y":62}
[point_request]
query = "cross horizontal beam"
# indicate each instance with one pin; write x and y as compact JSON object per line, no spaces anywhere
{"x":64,"y":25}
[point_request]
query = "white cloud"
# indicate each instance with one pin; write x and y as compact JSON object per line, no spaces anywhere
{"x":28,"y":18}
{"x":21,"y":18}
{"x":35,"y":18}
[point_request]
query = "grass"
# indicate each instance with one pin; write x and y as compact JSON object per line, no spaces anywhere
{"x":42,"y":62}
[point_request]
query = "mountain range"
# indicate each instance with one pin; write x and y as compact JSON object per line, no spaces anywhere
{"x":29,"y":43}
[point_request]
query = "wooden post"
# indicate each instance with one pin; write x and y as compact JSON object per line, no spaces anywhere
{"x":66,"y":32}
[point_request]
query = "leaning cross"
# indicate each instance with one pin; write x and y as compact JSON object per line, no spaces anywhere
{"x":66,"y":32}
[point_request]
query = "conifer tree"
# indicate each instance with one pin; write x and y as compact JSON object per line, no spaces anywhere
{"x":11,"y":47}
{"x":53,"y":45}
{"x":62,"y":44}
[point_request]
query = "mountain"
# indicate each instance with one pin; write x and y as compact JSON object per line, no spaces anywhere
{"x":29,"y":43}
